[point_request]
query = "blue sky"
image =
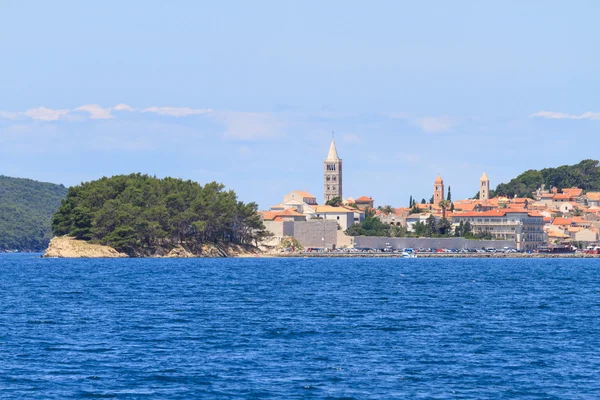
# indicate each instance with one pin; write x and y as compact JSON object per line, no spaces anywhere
{"x":247,"y":93}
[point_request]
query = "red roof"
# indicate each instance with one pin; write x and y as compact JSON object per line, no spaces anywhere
{"x":364,"y":199}
{"x":573,"y":192}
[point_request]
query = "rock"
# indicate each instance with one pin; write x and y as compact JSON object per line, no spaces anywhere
{"x":68,"y":247}
{"x":179,"y":252}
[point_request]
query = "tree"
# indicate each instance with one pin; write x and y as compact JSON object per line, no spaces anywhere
{"x":420,"y":229}
{"x":444,"y":227}
{"x":387,"y":209}
{"x":423,"y":201}
{"x":136,"y":213}
{"x":444,"y":204}
{"x":449,"y":197}
{"x":415,"y":209}
{"x":467,"y":230}
{"x":458,"y":231}
{"x":335,"y":202}
{"x":431,"y":200}
{"x":431,"y":226}
{"x":410,"y":201}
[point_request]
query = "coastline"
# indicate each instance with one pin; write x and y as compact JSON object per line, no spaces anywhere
{"x":428,"y":255}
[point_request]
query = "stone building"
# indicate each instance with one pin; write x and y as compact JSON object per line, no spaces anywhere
{"x":332,"y":174}
{"x":524,"y":227}
{"x":484,"y":188}
{"x":438,"y":190}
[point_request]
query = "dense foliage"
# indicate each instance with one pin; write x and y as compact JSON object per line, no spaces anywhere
{"x":137,"y":213}
{"x":26,"y":209}
{"x":585,"y":175}
{"x":372,"y":226}
{"x":432,"y":227}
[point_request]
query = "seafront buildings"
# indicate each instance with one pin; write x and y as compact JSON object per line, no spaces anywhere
{"x":548,"y":217}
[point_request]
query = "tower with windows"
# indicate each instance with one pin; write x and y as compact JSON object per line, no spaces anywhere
{"x":438,"y":190}
{"x":484,"y":188}
{"x":332,"y":174}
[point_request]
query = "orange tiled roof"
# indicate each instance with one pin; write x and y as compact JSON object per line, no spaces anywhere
{"x":573,"y":192}
{"x":561,"y":196}
{"x":466,"y":206}
{"x":593,"y":195}
{"x":520,"y":200}
{"x":364,"y":199}
{"x":304,"y":194}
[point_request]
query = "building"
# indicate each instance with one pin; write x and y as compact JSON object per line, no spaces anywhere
{"x":364,"y":202}
{"x":484,"y":188}
{"x":438,"y":190}
{"x":302,"y":196}
{"x":300,"y":200}
{"x":332,"y":174}
{"x":342,"y":215}
{"x":524,"y":227}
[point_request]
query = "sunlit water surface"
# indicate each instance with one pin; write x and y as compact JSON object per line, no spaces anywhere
{"x":299,"y":328}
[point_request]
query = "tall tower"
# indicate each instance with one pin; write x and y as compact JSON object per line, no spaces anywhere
{"x":484,"y":188}
{"x":438,"y":190}
{"x":332,"y":174}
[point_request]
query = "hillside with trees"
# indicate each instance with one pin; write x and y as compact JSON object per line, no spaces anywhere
{"x":26,"y":209}
{"x":138,"y":214}
{"x":584,"y":175}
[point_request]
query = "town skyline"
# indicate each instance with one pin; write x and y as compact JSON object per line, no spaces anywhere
{"x":207,"y":92}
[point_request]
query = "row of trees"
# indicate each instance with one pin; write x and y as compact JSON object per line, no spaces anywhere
{"x":133,"y":212}
{"x":432,"y":227}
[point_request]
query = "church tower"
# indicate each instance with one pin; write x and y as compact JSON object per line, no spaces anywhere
{"x":438,"y":190}
{"x":484,"y":188}
{"x":332,"y":174}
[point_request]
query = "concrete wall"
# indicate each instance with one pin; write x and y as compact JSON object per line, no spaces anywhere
{"x":316,"y":233}
{"x":372,"y":242}
{"x":313,"y":233}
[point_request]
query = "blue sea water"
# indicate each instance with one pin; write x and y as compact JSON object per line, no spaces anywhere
{"x":299,"y":328}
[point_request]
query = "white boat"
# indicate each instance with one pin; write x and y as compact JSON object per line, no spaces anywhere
{"x":406,"y":254}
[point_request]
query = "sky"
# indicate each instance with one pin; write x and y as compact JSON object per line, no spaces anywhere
{"x":249,"y":93}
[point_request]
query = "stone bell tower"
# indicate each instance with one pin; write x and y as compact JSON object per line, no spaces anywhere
{"x":332,"y":174}
{"x":438,"y":190}
{"x":484,"y":188}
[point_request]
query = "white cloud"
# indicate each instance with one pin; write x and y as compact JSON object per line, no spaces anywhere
{"x":561,"y":115}
{"x":434,"y":124}
{"x":250,"y":126}
{"x":124,"y":107}
{"x":44,"y":114}
{"x":177,"y":111}
{"x":95,"y":111}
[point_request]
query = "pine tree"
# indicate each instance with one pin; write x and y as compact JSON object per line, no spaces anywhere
{"x":449,"y":198}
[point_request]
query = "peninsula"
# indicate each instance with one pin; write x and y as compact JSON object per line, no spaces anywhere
{"x":142,"y":216}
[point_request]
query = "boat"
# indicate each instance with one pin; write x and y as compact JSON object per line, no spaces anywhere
{"x":406,"y":254}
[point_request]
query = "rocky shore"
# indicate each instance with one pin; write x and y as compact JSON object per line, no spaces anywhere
{"x":68,"y":247}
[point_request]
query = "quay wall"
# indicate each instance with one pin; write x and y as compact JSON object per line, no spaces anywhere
{"x":314,"y":233}
{"x":373,"y":242}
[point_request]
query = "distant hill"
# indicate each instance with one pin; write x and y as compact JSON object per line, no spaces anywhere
{"x":585,"y":175}
{"x":26,"y":209}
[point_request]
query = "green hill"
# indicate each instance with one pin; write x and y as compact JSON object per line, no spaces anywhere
{"x":140,"y":215}
{"x":585,"y":175}
{"x":26,"y":209}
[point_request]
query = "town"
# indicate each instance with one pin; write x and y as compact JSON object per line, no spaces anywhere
{"x":551,"y":220}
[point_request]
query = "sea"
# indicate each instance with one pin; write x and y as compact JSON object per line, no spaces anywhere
{"x":263,"y":328}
